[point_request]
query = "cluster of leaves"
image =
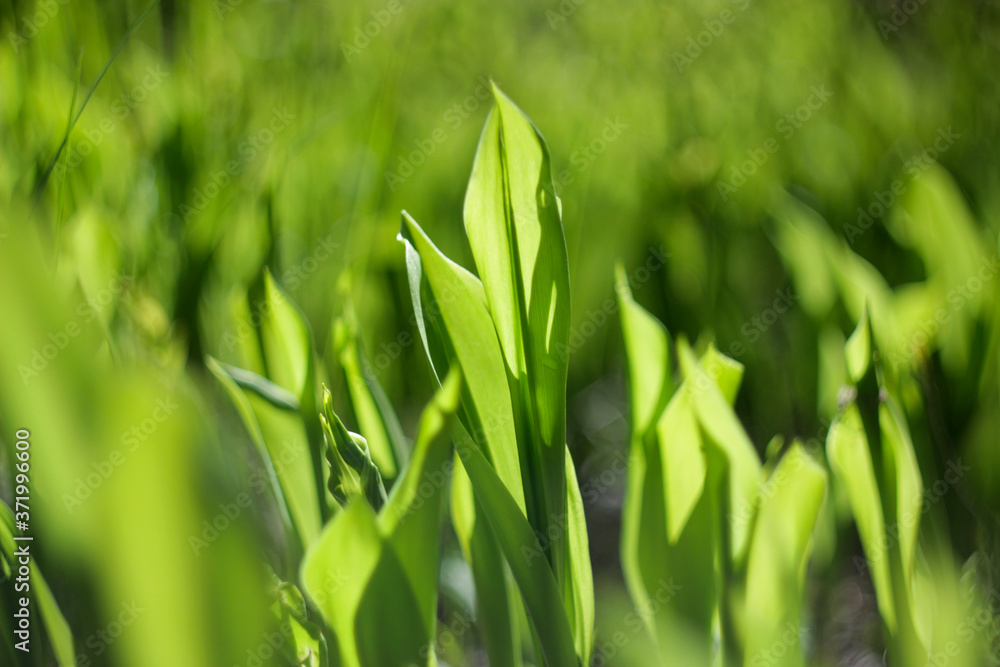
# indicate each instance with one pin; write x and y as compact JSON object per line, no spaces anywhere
{"x":701,"y":509}
{"x":361,"y":514}
{"x":494,"y":346}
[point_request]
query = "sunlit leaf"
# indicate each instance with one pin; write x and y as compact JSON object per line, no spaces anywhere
{"x":858,"y":349}
{"x":457,"y":330}
{"x":779,"y":550}
{"x":851,"y":463}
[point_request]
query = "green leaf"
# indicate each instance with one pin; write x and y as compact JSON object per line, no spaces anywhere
{"x":779,"y":551}
{"x":851,"y":463}
{"x":376,"y":418}
{"x":262,"y":387}
{"x":411,"y":516}
{"x":303,"y":643}
{"x":390,"y":561}
{"x":858,"y":349}
{"x":668,"y":533}
{"x":495,"y":600}
{"x":725,"y":372}
{"x":647,"y":346}
{"x":240,"y":341}
{"x":516,"y":236}
{"x":352,"y":471}
{"x":683,"y":466}
{"x":525,"y":556}
{"x":515,"y":232}
{"x":578,"y":584}
{"x":456,"y":329}
{"x":902,"y":480}
{"x":58,"y":630}
{"x":357,"y":581}
{"x":285,"y":343}
{"x":722,"y":429}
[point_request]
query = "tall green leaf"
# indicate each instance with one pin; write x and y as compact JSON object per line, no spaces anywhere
{"x":513,"y":222}
{"x":668,"y":517}
{"x":456,"y":329}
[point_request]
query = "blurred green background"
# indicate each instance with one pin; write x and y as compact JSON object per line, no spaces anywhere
{"x":762,"y":167}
